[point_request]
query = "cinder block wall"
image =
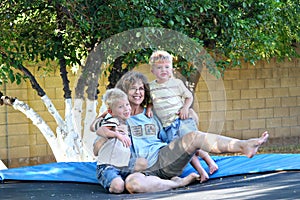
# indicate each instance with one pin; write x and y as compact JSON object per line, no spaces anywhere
{"x":22,"y":143}
{"x":257,"y":98}
{"x":243,"y":104}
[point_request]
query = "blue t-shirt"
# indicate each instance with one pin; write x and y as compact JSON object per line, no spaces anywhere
{"x":145,"y":133}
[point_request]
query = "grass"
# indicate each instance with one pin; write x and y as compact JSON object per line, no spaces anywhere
{"x":292,"y":149}
{"x":281,"y":149}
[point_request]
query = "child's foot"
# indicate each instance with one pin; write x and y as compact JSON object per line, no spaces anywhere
{"x":252,"y":145}
{"x":203,"y":176}
{"x":213,"y":167}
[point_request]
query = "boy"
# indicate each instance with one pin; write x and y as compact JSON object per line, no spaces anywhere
{"x":114,"y":153}
{"x":171,"y":101}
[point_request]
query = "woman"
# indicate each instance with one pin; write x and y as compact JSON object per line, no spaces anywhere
{"x":166,"y":161}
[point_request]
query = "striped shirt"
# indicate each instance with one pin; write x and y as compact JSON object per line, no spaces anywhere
{"x":168,"y":98}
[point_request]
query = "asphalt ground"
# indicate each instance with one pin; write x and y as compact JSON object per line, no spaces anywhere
{"x":273,"y":185}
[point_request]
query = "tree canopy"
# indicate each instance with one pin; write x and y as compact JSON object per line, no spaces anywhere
{"x":231,"y":31}
{"x":86,"y":34}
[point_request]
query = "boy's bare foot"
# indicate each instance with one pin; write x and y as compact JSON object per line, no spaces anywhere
{"x":213,"y":167}
{"x":203,"y":176}
{"x":252,"y":145}
{"x":186,"y":180}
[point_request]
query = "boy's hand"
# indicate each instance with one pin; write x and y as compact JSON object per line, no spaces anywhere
{"x":183,"y":113}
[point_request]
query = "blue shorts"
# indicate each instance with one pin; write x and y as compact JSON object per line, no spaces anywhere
{"x":106,"y":173}
{"x":179,"y":128}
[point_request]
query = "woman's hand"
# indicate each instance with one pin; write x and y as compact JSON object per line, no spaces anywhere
{"x":149,"y":112}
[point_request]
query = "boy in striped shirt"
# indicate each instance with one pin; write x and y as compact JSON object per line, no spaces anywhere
{"x":171,"y":102}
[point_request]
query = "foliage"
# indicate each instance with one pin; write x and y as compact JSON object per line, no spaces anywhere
{"x":231,"y":30}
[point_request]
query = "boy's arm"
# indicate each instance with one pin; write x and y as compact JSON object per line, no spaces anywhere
{"x":184,"y":111}
{"x":106,"y":131}
{"x":188,"y":100}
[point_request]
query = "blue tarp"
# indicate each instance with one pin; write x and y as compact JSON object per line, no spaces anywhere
{"x":86,"y":171}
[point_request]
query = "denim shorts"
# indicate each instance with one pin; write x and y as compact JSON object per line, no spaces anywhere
{"x":179,"y":128}
{"x":106,"y":174}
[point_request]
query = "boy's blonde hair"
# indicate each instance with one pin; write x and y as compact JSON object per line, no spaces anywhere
{"x":160,"y":56}
{"x":112,"y":96}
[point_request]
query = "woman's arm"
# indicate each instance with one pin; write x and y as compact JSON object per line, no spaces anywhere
{"x":120,"y":135}
{"x":96,"y":123}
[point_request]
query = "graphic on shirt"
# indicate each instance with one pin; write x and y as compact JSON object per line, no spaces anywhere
{"x":136,"y":130}
{"x":150,"y":129}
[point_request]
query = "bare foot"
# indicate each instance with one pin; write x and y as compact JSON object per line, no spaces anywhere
{"x":140,"y":164}
{"x":213,"y":167}
{"x":186,"y":180}
{"x":252,"y":145}
{"x":203,"y":176}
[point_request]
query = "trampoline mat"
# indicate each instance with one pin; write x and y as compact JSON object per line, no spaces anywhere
{"x":69,"y":180}
{"x":271,"y":185}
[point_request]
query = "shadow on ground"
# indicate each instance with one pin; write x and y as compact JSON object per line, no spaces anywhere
{"x":278,"y":185}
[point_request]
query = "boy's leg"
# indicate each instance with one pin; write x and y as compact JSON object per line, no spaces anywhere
{"x":212,"y":165}
{"x":117,"y":185}
{"x":110,"y":179}
{"x":195,"y":162}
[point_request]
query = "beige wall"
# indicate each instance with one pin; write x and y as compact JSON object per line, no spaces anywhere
{"x":258,"y":98}
{"x":243,"y":104}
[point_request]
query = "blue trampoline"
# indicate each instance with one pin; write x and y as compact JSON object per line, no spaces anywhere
{"x":85,"y":172}
{"x":265,"y":176}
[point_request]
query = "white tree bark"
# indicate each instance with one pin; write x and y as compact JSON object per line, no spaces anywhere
{"x":86,"y":147}
{"x":2,"y":166}
{"x":67,"y":144}
{"x":68,"y":134}
{"x":73,"y":138}
{"x":42,"y":126}
{"x":77,"y":112}
{"x":88,"y":136}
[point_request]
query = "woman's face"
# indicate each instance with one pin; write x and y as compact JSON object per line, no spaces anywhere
{"x":136,"y":93}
